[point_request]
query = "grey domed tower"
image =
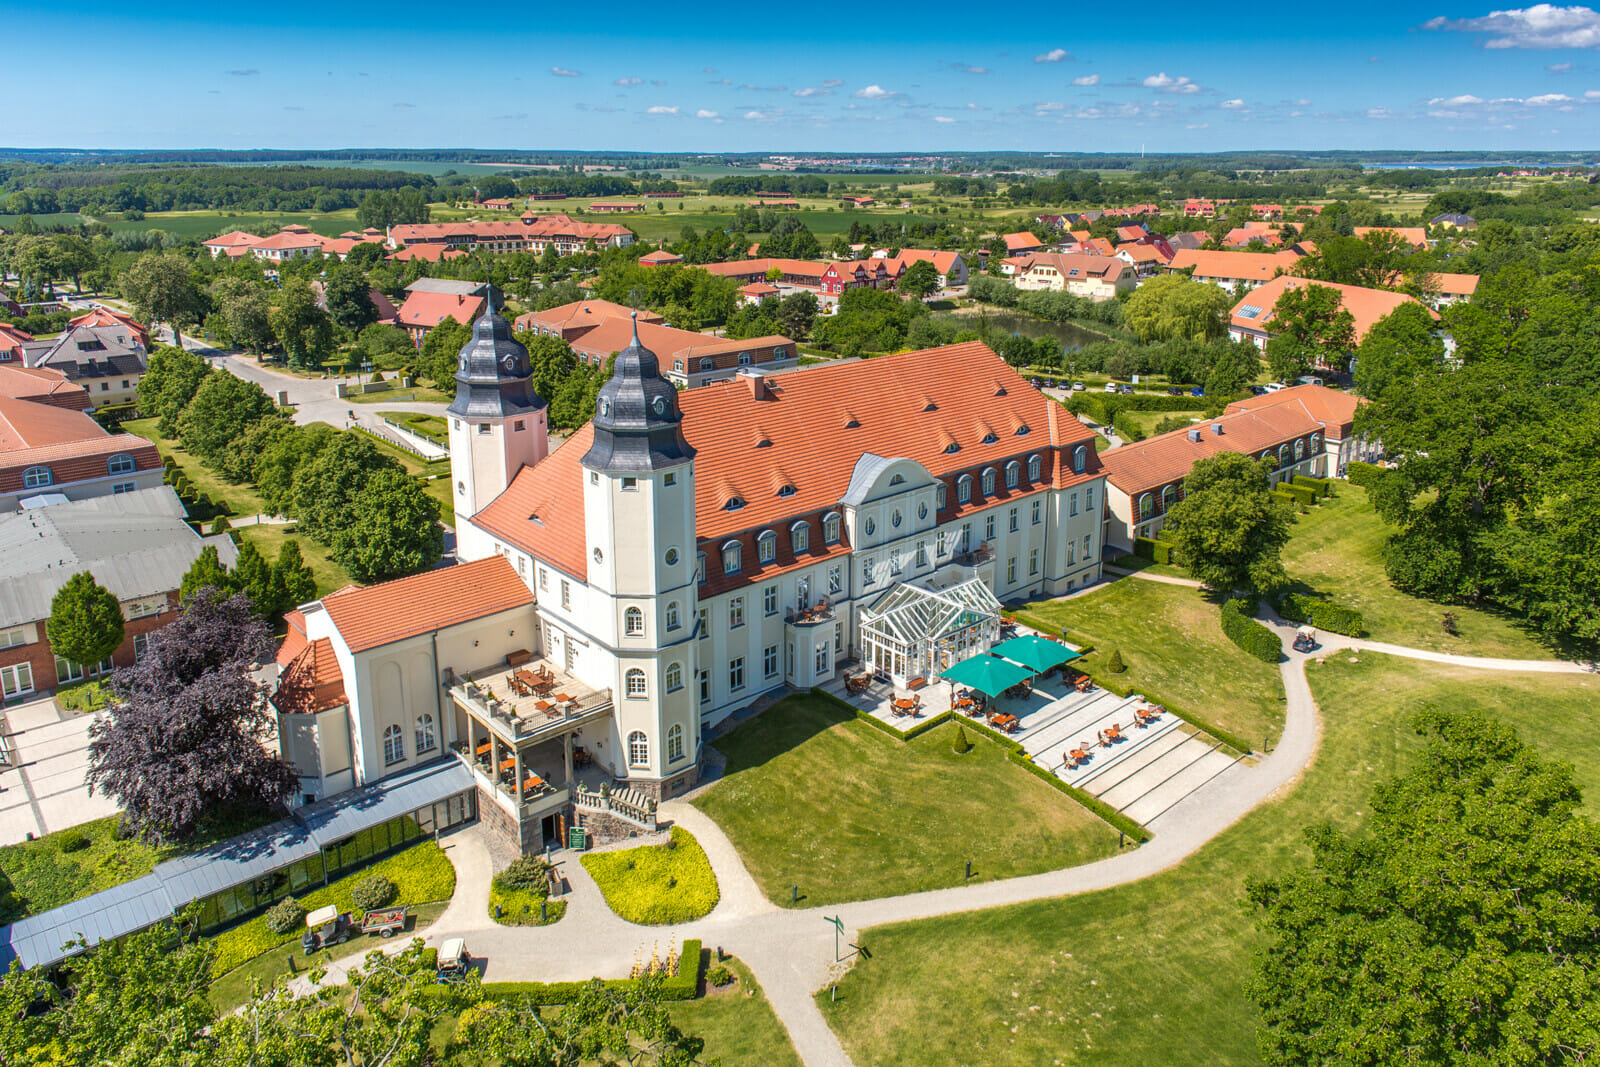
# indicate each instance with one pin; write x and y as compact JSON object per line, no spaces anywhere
{"x":498,"y":423}
{"x":637,"y":426}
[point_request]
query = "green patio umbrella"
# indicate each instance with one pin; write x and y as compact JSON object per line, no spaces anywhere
{"x":987,"y":674}
{"x":1031,"y":650}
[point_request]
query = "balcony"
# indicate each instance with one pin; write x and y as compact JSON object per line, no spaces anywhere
{"x":489,"y":695}
{"x":822,"y":611}
{"x":971,"y":558}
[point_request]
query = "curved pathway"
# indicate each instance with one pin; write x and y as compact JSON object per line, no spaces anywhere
{"x":790,"y":951}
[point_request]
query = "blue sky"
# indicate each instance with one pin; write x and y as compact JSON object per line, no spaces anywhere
{"x":754,"y":77}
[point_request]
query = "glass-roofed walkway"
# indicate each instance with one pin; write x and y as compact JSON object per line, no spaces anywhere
{"x":917,"y":630}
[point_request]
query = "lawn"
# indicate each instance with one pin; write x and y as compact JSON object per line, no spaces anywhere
{"x":240,"y":499}
{"x":90,"y":694}
{"x":656,"y":885}
{"x":1171,"y":639}
{"x":269,"y":538}
{"x":1154,"y":972}
{"x":420,"y":393}
{"x":1336,"y":550}
{"x":814,"y":798}
{"x":736,"y":1022}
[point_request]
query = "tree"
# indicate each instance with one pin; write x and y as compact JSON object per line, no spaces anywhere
{"x":326,"y":488}
{"x":1378,"y":260}
{"x":1397,"y":350}
{"x":1461,"y":923}
{"x":85,"y":621}
{"x":391,"y":529}
{"x":206,"y":572}
{"x":282,"y":458}
{"x":292,"y":582}
{"x":1174,"y":306}
{"x":441,"y":349}
{"x":223,"y":408}
{"x":920,"y":280}
{"x":303,"y":328}
{"x":1311,"y":327}
{"x":1228,"y":529}
{"x":173,"y":377}
{"x":601,"y":1025}
{"x":796,"y":314}
{"x":162,"y":291}
{"x":349,"y":299}
{"x":190,"y":737}
{"x":252,"y":576}
{"x":245,"y":312}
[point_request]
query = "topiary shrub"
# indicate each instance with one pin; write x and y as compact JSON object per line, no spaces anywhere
{"x":373,"y":892}
{"x":719,"y":976}
{"x":529,"y":872}
{"x":962,"y":746}
{"x":1362,"y":474}
{"x":1115,"y":664}
{"x":285,"y":916}
{"x":220,"y":525}
{"x":72,"y":841}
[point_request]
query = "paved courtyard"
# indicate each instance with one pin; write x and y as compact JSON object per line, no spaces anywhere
{"x":42,"y":787}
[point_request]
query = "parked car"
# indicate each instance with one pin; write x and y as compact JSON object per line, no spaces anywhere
{"x":1273,"y":387}
{"x":1173,"y":390}
{"x":1125,"y":389}
{"x":325,"y":927}
{"x":1111,"y":387}
{"x":1309,"y":379}
{"x":1258,"y":390}
{"x":453,"y":960}
{"x":1077,"y":387}
{"x":1037,"y":383}
{"x":1197,"y":391}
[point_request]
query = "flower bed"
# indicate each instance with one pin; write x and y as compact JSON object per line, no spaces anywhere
{"x":658,"y":884}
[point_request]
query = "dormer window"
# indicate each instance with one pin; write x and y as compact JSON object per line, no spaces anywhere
{"x":1022,"y":431}
{"x":1080,"y":459}
{"x":951,"y":449}
{"x":988,"y":481}
{"x":122,"y":463}
{"x":733,"y":504}
{"x":732,"y":558}
{"x":787,"y":490}
{"x":767,"y":546}
{"x":989,"y":438}
{"x":800,"y":537}
{"x":964,"y":489}
{"x":1033,"y":468}
{"x":830,"y":527}
{"x":897,"y":479}
{"x":1013,"y":474}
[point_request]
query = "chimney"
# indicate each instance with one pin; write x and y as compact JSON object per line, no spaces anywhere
{"x":757,"y":381}
{"x":1216,"y":428}
{"x":1194,"y":435}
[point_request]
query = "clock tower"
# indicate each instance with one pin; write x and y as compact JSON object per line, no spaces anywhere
{"x":498,"y":423}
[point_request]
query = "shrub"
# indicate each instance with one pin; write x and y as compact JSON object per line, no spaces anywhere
{"x":1320,"y":486}
{"x":285,"y":916}
{"x":1114,"y":664}
{"x":1362,"y":474}
{"x":654,"y":886}
{"x":528,"y":872}
{"x":374,"y":891}
{"x":1322,"y":614}
{"x":961,"y":746}
{"x":72,"y":841}
{"x":1304,"y":494}
{"x":719,"y":976}
{"x":1123,"y":423}
{"x":1249,"y":634}
{"x":220,"y":525}
{"x":1155,"y":550}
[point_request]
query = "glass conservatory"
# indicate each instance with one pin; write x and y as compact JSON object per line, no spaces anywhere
{"x":915,"y":631}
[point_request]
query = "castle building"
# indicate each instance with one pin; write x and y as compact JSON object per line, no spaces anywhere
{"x":678,"y":557}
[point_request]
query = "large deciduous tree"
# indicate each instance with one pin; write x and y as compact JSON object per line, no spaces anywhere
{"x":920,"y":279}
{"x":302,"y":328}
{"x":1310,"y":326}
{"x":392,"y":529}
{"x":189,"y":739}
{"x":169,"y":384}
{"x":326,"y":488}
{"x":349,"y":299}
{"x":245,"y":311}
{"x":85,"y":621}
{"x":440,"y":351}
{"x":1173,"y":306}
{"x":222,"y":409}
{"x":1228,"y":529}
{"x":162,"y":290}
{"x":1461,"y":925}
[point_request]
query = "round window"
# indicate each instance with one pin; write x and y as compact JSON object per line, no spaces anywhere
{"x":894,"y":520}
{"x":922,"y":511}
{"x":672,"y":557}
{"x":603,"y":407}
{"x":870,"y":527}
{"x":599,"y":556}
{"x":659,"y":405}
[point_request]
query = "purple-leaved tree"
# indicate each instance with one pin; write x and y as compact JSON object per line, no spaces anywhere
{"x":189,"y":738}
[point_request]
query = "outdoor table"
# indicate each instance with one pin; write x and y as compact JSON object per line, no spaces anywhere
{"x":1005,"y":721}
{"x":563,"y":698}
{"x":532,"y":782}
{"x":509,"y":763}
{"x":483,"y":748}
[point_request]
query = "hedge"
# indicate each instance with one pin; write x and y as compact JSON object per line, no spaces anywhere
{"x":1322,"y":614}
{"x":1303,"y":494}
{"x":684,"y":985}
{"x":422,"y":873}
{"x":1321,"y":486}
{"x":656,"y":885}
{"x":1362,"y":474}
{"x":1156,"y":551}
{"x":1123,"y":423}
{"x":1093,"y":403}
{"x":1295,"y":506}
{"x":1249,"y":634}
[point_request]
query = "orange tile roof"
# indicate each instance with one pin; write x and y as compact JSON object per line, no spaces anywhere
{"x":1456,"y":284}
{"x":430,"y":309}
{"x":72,"y":461}
{"x":815,"y":425}
{"x":580,"y":314}
{"x":1085,"y":266}
{"x":311,"y":680}
{"x":1167,"y":457}
{"x":660,"y":255}
{"x":803,"y":268}
{"x":430,"y":253}
{"x":289,"y":239}
{"x":1366,"y":306}
{"x":232,"y":239}
{"x":1250,"y":266}
{"x":24,"y":424}
{"x":943,"y":262}
{"x":1141,"y":253}
{"x":1021,"y":242}
{"x":100,"y":315}
{"x":42,"y":385}
{"x":406,"y":607}
{"x":11,"y":337}
{"x":1415,"y":236}
{"x":1334,"y":408}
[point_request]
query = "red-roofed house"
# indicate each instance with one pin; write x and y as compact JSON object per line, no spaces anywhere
{"x":11,"y":342}
{"x":755,"y":292}
{"x":100,"y":315}
{"x":1017,"y":243}
{"x":1092,"y":277}
{"x":951,"y":266}
{"x":48,"y":448}
{"x":659,"y":258}
{"x":423,"y":311}
{"x":1251,"y":317}
{"x":43,"y":385}
{"x":1333,"y":410}
{"x":1448,"y":289}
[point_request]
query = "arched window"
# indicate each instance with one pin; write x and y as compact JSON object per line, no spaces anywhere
{"x":638,"y":749}
{"x":425,"y":734}
{"x":1284,"y":452}
{"x":963,"y":488}
{"x":35,"y":477}
{"x":1034,"y":464}
{"x":1268,"y":457}
{"x":941,"y":496}
{"x":1013,"y":474}
{"x":677,"y":365}
{"x":767,"y":546}
{"x":708,"y":364}
{"x":830,"y":527}
{"x":673,"y":619}
{"x":121,"y":463}
{"x":675,"y":742}
{"x":674,"y":677}
{"x":1299,"y":448}
{"x":633,"y":622}
{"x":1147,"y":505}
{"x":1169,"y":496}
{"x":732,"y":558}
{"x":1316,"y":443}
{"x":800,"y":537}
{"x":394,"y":746}
{"x":1080,"y":459}
{"x":634,"y":682}
{"x":744,"y":359}
{"x":988,"y":481}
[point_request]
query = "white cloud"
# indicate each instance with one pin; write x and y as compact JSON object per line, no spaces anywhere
{"x":966,"y":68}
{"x":1454,"y":101}
{"x":1055,"y":55}
{"x":1049,"y":105}
{"x":1548,"y":99}
{"x":1087,"y":79}
{"x":1166,"y":83}
{"x":943,"y":118}
{"x":1592,"y":94}
{"x":975,"y":107}
{"x":563,"y":72}
{"x":832,"y":83}
{"x":628,"y":81}
{"x":657,"y":81}
{"x":1379,"y":113}
{"x":874,"y":92}
{"x":704,"y":114}
{"x":708,"y":70}
{"x":813,"y":91}
{"x":1198,"y":126}
{"x":1542,"y":26}
{"x":1559,"y":68}
{"x":1232,"y":105}
{"x":661,"y":109}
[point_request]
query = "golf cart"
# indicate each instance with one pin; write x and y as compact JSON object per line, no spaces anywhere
{"x":325,"y":927}
{"x":453,"y":960}
{"x":1305,"y":639}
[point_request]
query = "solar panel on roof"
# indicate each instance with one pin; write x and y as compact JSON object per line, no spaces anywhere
{"x":1249,"y":311}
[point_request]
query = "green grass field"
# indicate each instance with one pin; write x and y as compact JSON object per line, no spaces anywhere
{"x":736,"y":1023}
{"x":241,"y":499}
{"x":1336,"y":550}
{"x":1171,"y":641}
{"x":814,"y":798}
{"x":1154,"y":972}
{"x":269,"y":539}
{"x":655,"y":885}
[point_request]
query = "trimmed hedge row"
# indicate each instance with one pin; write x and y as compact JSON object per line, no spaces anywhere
{"x":1249,"y":634}
{"x":685,"y":985}
{"x":1123,"y":423}
{"x":1321,"y":486}
{"x":1323,"y":614}
{"x":1155,"y":550}
{"x":1362,"y":474}
{"x":1227,"y":737}
{"x":1303,"y":494}
{"x":1295,"y":506}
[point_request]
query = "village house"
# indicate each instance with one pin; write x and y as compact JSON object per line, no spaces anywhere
{"x":1334,"y":410}
{"x":1251,"y":317}
{"x":52,"y":449}
{"x":42,"y":385}
{"x":799,"y":273}
{"x":660,"y":258}
{"x":951,"y":266}
{"x":1018,"y":243}
{"x":1091,"y":277}
{"x":108,"y":361}
{"x":1451,"y":289}
{"x":1232,"y":269}
{"x":429,"y":301}
{"x":530,"y":233}
{"x":615,"y":207}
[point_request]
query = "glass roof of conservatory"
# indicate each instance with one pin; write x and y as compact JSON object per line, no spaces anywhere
{"x":913,"y":614}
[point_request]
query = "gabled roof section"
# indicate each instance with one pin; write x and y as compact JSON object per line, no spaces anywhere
{"x":311,"y":682}
{"x":408,"y":607}
{"x":1334,"y":408}
{"x":1167,"y":457}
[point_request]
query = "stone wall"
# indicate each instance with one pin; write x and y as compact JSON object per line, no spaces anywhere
{"x":525,"y":839}
{"x":605,"y":828}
